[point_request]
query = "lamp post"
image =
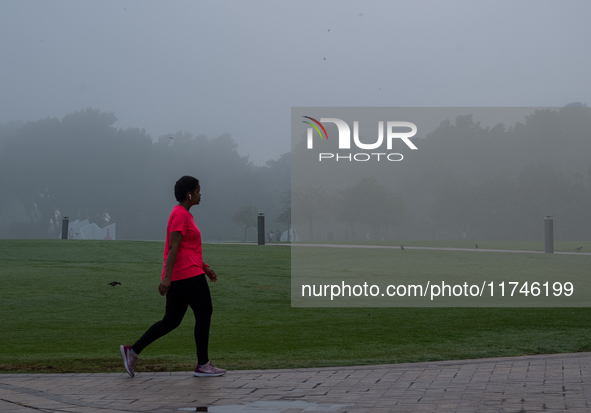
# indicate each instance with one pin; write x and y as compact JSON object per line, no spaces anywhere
{"x":65,"y":224}
{"x":261,"y":227}
{"x":549,"y":235}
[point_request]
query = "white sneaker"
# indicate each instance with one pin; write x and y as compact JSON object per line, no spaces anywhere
{"x":209,"y":370}
{"x":129,"y":359}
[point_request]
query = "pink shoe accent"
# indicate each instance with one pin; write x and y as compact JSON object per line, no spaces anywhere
{"x":129,"y":359}
{"x":209,"y":370}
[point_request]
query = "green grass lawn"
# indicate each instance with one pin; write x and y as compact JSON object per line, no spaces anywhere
{"x":562,"y":280}
{"x":59,"y":315}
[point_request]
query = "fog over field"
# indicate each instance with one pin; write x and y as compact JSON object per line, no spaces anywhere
{"x":104,"y":104}
{"x":238,"y":67}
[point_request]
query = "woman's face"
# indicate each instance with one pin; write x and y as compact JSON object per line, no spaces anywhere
{"x":196,"y":195}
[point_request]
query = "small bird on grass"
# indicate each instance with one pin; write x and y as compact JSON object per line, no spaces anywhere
{"x":476,"y":245}
{"x":578,"y":249}
{"x":114,"y":283}
{"x":402,"y":248}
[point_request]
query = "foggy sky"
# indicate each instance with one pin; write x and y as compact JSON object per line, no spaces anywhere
{"x":238,"y":67}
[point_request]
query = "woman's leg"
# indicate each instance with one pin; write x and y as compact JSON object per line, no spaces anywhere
{"x":176,"y":306}
{"x":199,"y":298}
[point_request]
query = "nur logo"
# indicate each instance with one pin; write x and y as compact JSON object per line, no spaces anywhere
{"x":314,"y":126}
{"x":345,"y":139}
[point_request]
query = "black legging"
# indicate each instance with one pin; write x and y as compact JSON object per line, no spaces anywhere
{"x":192,"y":292}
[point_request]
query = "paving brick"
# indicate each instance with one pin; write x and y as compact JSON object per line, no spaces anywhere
{"x":560,"y":382}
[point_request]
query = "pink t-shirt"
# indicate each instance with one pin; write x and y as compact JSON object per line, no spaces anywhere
{"x":189,"y":258}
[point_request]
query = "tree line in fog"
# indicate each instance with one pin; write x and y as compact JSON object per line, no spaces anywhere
{"x":84,"y":168}
{"x":465,"y":181}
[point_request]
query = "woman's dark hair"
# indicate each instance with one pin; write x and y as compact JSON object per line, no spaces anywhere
{"x":184,"y":185}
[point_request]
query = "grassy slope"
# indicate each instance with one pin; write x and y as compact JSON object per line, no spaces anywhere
{"x":59,"y":314}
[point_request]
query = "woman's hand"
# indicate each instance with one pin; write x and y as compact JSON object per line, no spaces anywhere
{"x":164,"y":286}
{"x":213,"y":277}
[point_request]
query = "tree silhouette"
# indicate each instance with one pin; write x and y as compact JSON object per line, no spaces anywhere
{"x":246,"y":216}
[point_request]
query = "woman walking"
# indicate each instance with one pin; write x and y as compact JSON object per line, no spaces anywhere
{"x":183,"y":282}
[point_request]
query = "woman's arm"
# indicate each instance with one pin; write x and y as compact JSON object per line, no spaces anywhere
{"x":213,"y":277}
{"x":174,"y":242}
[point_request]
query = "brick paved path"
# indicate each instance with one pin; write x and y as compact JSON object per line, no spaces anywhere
{"x":549,"y":383}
